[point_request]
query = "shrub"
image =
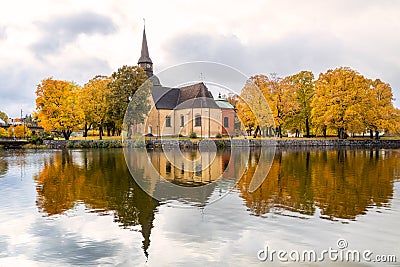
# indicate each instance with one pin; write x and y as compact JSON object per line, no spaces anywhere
{"x":221,"y":144}
{"x":193,"y":135}
{"x":36,"y":139}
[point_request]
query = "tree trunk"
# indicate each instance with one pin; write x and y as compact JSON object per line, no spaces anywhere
{"x":86,"y":130}
{"x":101,"y":132}
{"x":256,"y":131}
{"x":307,"y":128}
{"x":342,"y":133}
{"x":371,"y":134}
{"x":324,"y":131}
{"x":377,"y":135}
{"x":108,"y":130}
{"x":66,"y":134}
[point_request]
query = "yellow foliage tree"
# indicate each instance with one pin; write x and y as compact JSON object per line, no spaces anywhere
{"x":340,"y":101}
{"x":380,"y":113}
{"x":19,"y":131}
{"x":252,"y":107}
{"x":93,"y":100}
{"x":57,"y":106}
{"x":246,"y":116}
{"x":280,"y":95}
{"x":3,"y":132}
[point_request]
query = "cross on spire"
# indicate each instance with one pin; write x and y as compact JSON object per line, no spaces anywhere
{"x":145,"y":60}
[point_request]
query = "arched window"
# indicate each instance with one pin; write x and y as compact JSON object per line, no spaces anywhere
{"x":182,"y":120}
{"x":226,"y":122}
{"x":168,"y":121}
{"x":197,"y":120}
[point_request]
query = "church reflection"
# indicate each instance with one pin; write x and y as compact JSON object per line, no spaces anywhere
{"x":102,"y":181}
{"x":336,"y":184}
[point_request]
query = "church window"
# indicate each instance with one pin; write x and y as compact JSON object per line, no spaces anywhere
{"x":226,"y":122}
{"x":168,"y":121}
{"x":197,"y":120}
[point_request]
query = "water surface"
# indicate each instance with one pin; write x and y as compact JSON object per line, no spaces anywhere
{"x":82,"y":207}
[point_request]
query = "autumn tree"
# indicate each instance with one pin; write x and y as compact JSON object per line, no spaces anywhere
{"x":93,"y":100}
{"x":57,"y":106}
{"x":253,"y":108}
{"x":19,"y":131}
{"x":380,"y":113}
{"x":246,"y":116}
{"x":340,"y":101}
{"x":280,"y":97}
{"x":303,"y":84}
{"x":124,"y":83}
{"x":3,"y":132}
{"x":4,"y":116}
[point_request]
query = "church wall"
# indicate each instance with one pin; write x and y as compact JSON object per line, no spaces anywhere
{"x":157,"y":122}
{"x":209,"y":127}
{"x":230,"y":114}
{"x":190,"y":168}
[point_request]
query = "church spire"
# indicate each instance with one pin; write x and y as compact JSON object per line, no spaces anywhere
{"x":145,"y":60}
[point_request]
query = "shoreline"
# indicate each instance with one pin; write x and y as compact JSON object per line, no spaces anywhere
{"x":222,"y":143}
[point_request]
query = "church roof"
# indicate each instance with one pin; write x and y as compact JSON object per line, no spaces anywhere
{"x":191,"y":96}
{"x":144,"y":55}
{"x":223,"y":103}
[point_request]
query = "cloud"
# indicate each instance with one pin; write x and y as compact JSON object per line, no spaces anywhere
{"x":18,"y":81}
{"x":3,"y":32}
{"x":285,"y":56}
{"x":61,"y":31}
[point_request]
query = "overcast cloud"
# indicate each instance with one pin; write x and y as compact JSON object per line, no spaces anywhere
{"x":61,"y":31}
{"x":78,"y":40}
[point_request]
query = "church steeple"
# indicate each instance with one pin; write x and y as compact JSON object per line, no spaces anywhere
{"x":145,"y":60}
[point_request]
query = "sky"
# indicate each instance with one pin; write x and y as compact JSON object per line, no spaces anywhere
{"x":77,"y":40}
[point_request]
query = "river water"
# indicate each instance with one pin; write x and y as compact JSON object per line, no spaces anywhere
{"x":82,"y":207}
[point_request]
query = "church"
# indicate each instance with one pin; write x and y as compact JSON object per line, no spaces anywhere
{"x":184,"y":111}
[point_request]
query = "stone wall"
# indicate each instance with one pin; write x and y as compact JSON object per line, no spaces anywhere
{"x":60,"y":144}
{"x":222,"y":143}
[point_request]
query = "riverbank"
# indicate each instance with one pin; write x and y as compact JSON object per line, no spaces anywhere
{"x":223,"y":143}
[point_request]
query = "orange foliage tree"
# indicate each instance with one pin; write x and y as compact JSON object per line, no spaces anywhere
{"x":57,"y":106}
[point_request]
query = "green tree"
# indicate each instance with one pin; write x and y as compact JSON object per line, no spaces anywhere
{"x":303,"y":82}
{"x":4,"y":116}
{"x":138,"y":108}
{"x":124,"y":83}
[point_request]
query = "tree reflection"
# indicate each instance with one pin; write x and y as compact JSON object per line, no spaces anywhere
{"x":101,"y":180}
{"x":3,"y":167}
{"x":341,"y":183}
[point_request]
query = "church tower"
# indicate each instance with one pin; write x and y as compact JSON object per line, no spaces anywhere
{"x":145,"y":60}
